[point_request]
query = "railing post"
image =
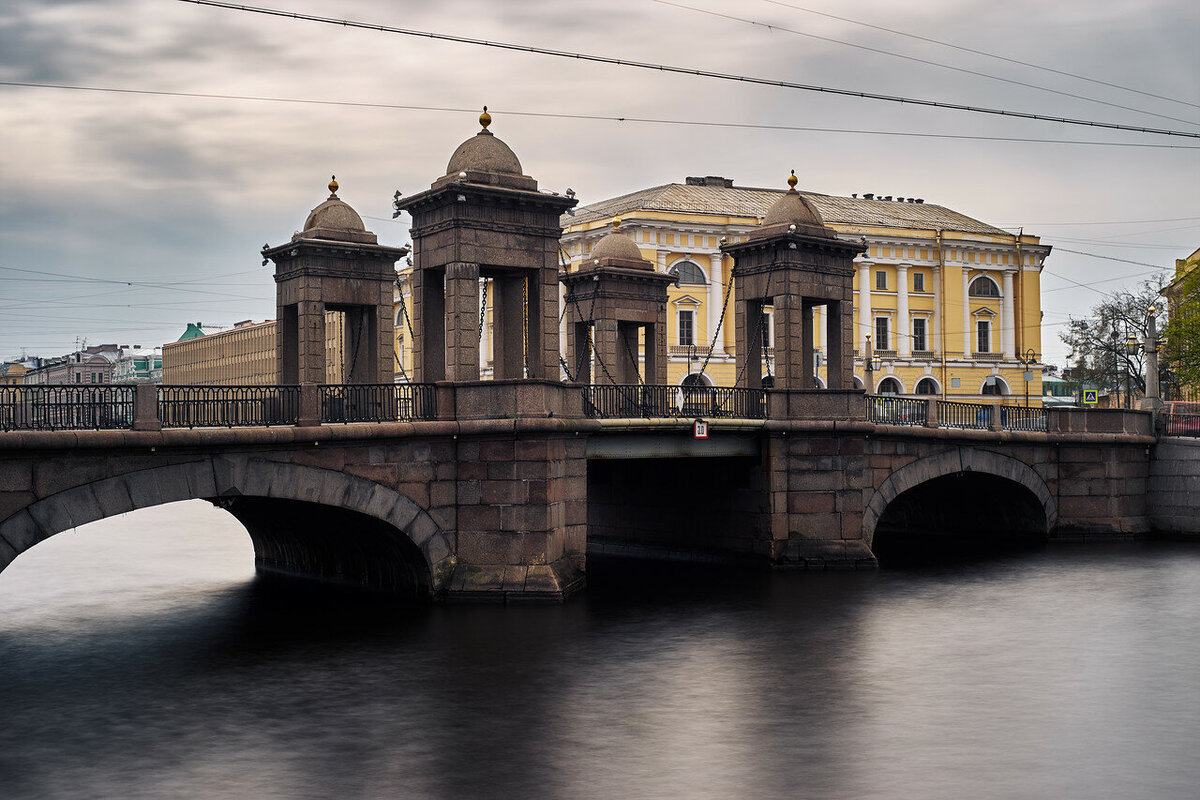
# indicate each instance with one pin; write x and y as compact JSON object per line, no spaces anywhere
{"x":145,"y":408}
{"x":931,"y":412}
{"x":309,"y":415}
{"x":996,"y":422}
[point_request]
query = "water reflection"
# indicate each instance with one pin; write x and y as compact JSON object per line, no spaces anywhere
{"x":141,"y":659}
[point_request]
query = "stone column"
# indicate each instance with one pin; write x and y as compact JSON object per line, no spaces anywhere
{"x":508,"y":349}
{"x":311,"y":344}
{"x":656,"y":344}
{"x":462,"y":321}
{"x":966,"y":313}
{"x":865,"y":321}
{"x":605,"y":343}
{"x":1008,"y":310}
{"x":716,"y":294}
{"x":748,"y":313}
{"x":543,"y":324}
{"x":579,"y":352}
{"x":429,"y":323}
{"x":903,"y":327}
{"x":662,"y":260}
{"x":839,"y":364}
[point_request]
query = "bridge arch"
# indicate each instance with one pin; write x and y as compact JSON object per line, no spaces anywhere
{"x":957,"y":462}
{"x":231,"y":482}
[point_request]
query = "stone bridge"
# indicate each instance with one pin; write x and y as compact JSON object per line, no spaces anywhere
{"x":505,"y":494}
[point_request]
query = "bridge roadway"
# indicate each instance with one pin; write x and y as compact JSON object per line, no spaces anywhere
{"x":504,"y":495}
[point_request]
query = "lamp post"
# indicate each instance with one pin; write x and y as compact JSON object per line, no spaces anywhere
{"x":1028,"y":361}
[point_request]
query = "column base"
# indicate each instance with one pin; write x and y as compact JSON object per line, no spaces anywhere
{"x":509,"y":583}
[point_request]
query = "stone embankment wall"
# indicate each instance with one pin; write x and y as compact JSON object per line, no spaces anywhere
{"x":1173,"y":498}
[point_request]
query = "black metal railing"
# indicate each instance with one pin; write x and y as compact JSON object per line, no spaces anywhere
{"x":378,"y":402}
{"x":895,"y":410}
{"x":618,"y":401}
{"x":227,"y":406}
{"x":1023,"y":418}
{"x":1181,"y":424}
{"x":43,"y":408}
{"x":967,"y":416}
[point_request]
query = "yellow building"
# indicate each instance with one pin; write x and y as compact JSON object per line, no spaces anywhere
{"x":1184,"y":285}
{"x":241,"y":356}
{"x":12,"y":373}
{"x":951,"y":305}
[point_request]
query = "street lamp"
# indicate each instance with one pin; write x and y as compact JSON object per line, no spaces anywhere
{"x":1028,"y":361}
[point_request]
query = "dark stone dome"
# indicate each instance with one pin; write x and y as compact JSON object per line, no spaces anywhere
{"x":792,"y":213}
{"x":483,"y":152}
{"x":335,"y":219}
{"x":619,"y":246}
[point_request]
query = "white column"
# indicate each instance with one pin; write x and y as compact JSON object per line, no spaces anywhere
{"x":1008,"y":310}
{"x":903,"y":340}
{"x":662,"y":260}
{"x":716,"y":295}
{"x":966,"y":306}
{"x":935,"y":335}
{"x":865,"y":321}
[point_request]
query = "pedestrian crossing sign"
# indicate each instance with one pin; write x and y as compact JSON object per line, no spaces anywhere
{"x":1089,"y":397}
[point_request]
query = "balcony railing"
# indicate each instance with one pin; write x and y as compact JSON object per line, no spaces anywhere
{"x":72,"y":407}
{"x":619,"y":401}
{"x":227,"y":406}
{"x":378,"y":402}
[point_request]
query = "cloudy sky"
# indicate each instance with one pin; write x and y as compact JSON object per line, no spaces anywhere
{"x":127,"y":213}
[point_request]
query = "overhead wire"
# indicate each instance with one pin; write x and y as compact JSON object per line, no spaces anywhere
{"x":927,"y":62}
{"x":984,"y":53}
{"x":693,"y":71}
{"x":593,"y":117}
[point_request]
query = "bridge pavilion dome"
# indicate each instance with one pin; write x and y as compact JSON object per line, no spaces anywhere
{"x":335,"y":220}
{"x":617,"y":249}
{"x":792,"y":209}
{"x":484,"y":152}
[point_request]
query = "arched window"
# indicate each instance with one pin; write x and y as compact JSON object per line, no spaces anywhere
{"x":768,"y":381}
{"x":696,"y":379}
{"x":927,"y":386}
{"x":858,"y":384}
{"x":889,"y":386}
{"x":983,"y":286}
{"x":688,"y":273}
{"x":994,"y":385}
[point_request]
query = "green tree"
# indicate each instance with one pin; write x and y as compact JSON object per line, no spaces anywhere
{"x":1099,"y":352}
{"x":1182,"y":331}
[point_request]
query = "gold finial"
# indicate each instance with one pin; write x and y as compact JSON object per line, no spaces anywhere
{"x":333,"y":185}
{"x":485,"y":118}
{"x":792,"y":181}
{"x":616,"y":223}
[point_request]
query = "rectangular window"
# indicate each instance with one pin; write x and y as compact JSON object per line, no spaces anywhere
{"x":983,"y":336}
{"x":918,"y":281}
{"x":881,"y":333}
{"x":79,"y":377}
{"x":880,"y":281}
{"x":687,"y":329}
{"x":95,"y":377}
{"x":918,"y":334}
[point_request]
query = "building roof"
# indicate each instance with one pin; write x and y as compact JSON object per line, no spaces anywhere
{"x":726,"y":200}
{"x":193,"y":332}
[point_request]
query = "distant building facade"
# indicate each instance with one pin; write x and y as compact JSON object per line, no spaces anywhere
{"x":951,"y":305}
{"x":89,"y":366}
{"x":138,"y":366}
{"x":244,"y":355}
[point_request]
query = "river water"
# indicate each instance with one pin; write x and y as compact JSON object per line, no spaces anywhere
{"x":140,"y":658}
